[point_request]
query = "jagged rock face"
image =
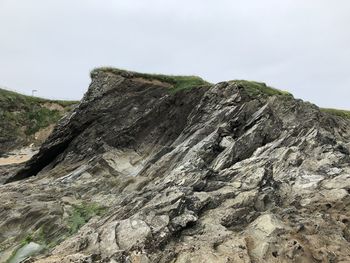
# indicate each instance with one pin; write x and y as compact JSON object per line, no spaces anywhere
{"x":209,"y":174}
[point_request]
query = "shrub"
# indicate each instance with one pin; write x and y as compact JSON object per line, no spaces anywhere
{"x":81,"y":214}
{"x":254,"y":88}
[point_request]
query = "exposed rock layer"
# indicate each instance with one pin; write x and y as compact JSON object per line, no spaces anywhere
{"x":208,"y":174}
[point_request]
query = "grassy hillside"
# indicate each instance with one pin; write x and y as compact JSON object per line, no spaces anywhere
{"x":21,"y":117}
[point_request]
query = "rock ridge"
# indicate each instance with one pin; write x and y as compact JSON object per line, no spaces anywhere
{"x":148,"y":170}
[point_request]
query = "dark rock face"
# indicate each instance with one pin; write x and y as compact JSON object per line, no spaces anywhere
{"x":116,"y":112}
{"x":208,"y":174}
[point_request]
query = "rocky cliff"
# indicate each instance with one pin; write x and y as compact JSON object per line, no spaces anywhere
{"x":152,"y":168}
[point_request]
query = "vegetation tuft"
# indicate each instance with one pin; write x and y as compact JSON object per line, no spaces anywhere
{"x":81,"y":214}
{"x":25,"y":241}
{"x":340,"y":113}
{"x":40,"y":118}
{"x":177,"y":82}
{"x":254,"y":89}
{"x":78,"y":217}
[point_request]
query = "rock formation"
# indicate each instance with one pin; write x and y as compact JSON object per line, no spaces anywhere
{"x":146,"y":170}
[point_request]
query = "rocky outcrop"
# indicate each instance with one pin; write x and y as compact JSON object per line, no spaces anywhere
{"x":143,"y":171}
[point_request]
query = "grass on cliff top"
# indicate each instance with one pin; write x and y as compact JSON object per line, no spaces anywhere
{"x":340,"y":113}
{"x":178,"y":82}
{"x":254,"y":89}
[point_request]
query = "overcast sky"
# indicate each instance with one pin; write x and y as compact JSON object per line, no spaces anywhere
{"x":302,"y":46}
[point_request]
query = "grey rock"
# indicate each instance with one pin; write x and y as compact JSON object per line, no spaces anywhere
{"x":143,"y":173}
{"x":25,"y":252}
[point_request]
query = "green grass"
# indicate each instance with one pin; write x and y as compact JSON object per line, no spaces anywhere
{"x":38,"y":236}
{"x":254,"y":89}
{"x":25,"y":241}
{"x":81,"y":214}
{"x":40,"y":118}
{"x":177,"y":82}
{"x":22,"y":116}
{"x":32,"y":237}
{"x":78,"y":216}
{"x":7,"y":98}
{"x":340,"y":113}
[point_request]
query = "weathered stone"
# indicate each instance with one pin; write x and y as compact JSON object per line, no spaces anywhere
{"x":143,"y":173}
{"x":132,"y":232}
{"x":263,"y":231}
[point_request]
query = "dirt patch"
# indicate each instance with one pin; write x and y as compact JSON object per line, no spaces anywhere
{"x":43,"y":134}
{"x":18,"y":156}
{"x":153,"y":81}
{"x":53,"y":106}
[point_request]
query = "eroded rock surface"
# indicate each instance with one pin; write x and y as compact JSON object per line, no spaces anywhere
{"x":140,"y":173}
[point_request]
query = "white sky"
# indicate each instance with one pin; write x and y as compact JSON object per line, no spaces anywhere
{"x":302,"y":46}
